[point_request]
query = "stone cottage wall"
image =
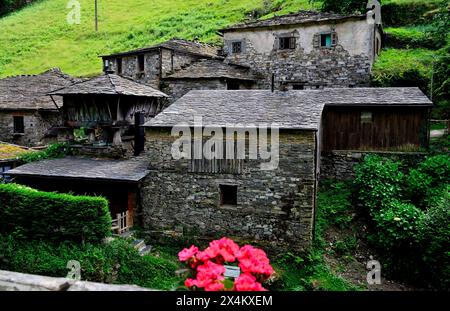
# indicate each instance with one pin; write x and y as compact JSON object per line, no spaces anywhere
{"x":346,"y":64}
{"x":275,"y":208}
{"x":158,"y":64}
{"x":36,"y":127}
{"x":340,"y":164}
{"x":178,"y":88}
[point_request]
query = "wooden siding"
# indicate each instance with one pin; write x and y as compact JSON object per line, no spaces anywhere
{"x":391,"y":128}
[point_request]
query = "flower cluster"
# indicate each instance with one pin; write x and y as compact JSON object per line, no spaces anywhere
{"x":208,"y":266}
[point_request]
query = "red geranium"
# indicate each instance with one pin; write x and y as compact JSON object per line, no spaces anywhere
{"x":208,"y":266}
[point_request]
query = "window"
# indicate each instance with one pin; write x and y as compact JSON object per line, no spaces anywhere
{"x":119,"y":66}
{"x":328,"y":40}
{"x":141,"y":62}
{"x":298,"y":87}
{"x":325,"y":40}
{"x":287,"y":43}
{"x":228,"y":195}
{"x":19,"y":127}
{"x":233,"y":85}
{"x":366,"y":117}
{"x":236,"y":47}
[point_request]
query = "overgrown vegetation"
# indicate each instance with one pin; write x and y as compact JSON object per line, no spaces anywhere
{"x":53,"y":151}
{"x":116,"y":262}
{"x":50,"y":216}
{"x":402,"y":206}
{"x":309,"y":271}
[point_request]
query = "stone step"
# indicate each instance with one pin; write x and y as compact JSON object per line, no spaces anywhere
{"x":139,"y":244}
{"x":147,"y":249}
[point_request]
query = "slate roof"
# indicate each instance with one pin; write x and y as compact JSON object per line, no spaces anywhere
{"x":213,"y":69}
{"x":110,"y":84}
{"x":86,"y":168}
{"x":302,"y":17}
{"x":290,"y":109}
{"x":29,"y":92}
{"x":179,"y":45}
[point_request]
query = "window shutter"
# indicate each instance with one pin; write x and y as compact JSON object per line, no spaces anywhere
{"x":292,"y":43}
{"x":334,"y":38}
{"x":316,"y":41}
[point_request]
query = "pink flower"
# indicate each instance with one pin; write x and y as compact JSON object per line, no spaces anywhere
{"x":187,"y":253}
{"x":223,"y":250}
{"x":247,"y":282}
{"x":190,"y":283}
{"x":254,"y":260}
{"x":214,"y":287}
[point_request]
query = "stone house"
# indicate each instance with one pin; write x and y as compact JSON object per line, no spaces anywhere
{"x":208,"y":197}
{"x":27,"y":114}
{"x":307,"y":49}
{"x":178,"y":66}
{"x":296,"y":51}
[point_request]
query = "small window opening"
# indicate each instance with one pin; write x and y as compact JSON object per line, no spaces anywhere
{"x":298,"y":86}
{"x":325,"y":40}
{"x":119,"y":66}
{"x":233,"y":85}
{"x":236,"y":47}
{"x":19,"y":127}
{"x":228,"y":195}
{"x":141,"y":63}
{"x":287,"y":43}
{"x":366,"y":117}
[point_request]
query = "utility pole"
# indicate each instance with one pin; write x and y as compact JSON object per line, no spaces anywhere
{"x":96,"y":16}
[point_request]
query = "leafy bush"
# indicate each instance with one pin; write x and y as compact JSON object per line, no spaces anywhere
{"x":434,"y":235}
{"x":116,"y":262}
{"x":57,"y":150}
{"x":396,"y":225}
{"x":427,"y":182}
{"x":414,"y":241}
{"x":378,"y":181}
{"x":34,"y":214}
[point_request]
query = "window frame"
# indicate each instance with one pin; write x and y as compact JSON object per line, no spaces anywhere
{"x":234,"y":44}
{"x":18,"y":127}
{"x":141,"y":63}
{"x":291,"y":43}
{"x":119,"y":63}
{"x":228,"y":189}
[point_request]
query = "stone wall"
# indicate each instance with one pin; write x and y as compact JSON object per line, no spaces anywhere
{"x":274,"y":208}
{"x":340,"y":164}
{"x":36,"y":125}
{"x":179,"y":87}
{"x":14,"y":281}
{"x":158,"y":64}
{"x":346,"y":64}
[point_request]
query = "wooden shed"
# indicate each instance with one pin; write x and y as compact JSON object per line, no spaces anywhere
{"x":376,"y":119}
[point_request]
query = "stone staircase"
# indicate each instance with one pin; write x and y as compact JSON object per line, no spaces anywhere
{"x":138,"y":244}
{"x":141,"y":247}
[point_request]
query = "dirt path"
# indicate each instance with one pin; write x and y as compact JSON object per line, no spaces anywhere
{"x":352,"y":264}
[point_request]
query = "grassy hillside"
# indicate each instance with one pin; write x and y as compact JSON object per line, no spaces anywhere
{"x":38,"y":37}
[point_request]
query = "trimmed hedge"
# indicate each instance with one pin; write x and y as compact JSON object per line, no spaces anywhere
{"x":116,"y":262}
{"x":33,"y":214}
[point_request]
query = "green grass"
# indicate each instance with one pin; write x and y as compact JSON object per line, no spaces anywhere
{"x":38,"y":37}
